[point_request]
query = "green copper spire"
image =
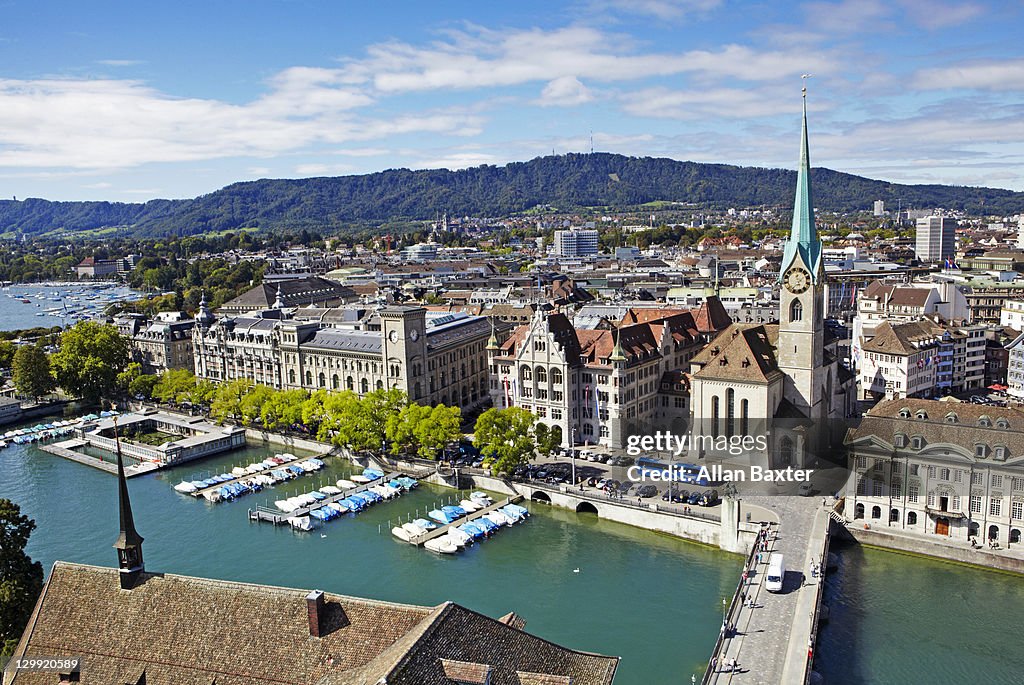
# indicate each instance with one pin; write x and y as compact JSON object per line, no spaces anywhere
{"x":803,"y":238}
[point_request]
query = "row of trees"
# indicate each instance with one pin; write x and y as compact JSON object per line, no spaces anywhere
{"x":21,"y":579}
{"x":91,"y":362}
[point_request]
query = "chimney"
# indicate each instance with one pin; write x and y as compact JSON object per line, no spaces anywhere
{"x":314,"y":610}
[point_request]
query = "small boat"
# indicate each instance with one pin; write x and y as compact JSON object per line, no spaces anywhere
{"x":301,"y":523}
{"x":487,"y":524}
{"x":330,"y":490}
{"x":413,"y":530}
{"x":455,"y":511}
{"x":470,"y":506}
{"x":400,"y":533}
{"x":509,"y":509}
{"x":513,"y":516}
{"x":345,"y":484}
{"x":458,"y":538}
{"x":441,"y":546}
{"x":425,"y":524}
{"x":481,"y":497}
{"x":499,"y":518}
{"x":183,"y":486}
{"x":441,"y":516}
{"x":358,"y":478}
{"x":474,"y":531}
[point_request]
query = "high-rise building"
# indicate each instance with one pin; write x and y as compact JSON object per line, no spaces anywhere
{"x":936,"y":238}
{"x":879,"y":208}
{"x":576,"y":242}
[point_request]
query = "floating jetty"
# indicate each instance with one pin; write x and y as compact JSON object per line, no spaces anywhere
{"x":443,"y":529}
{"x":65,"y":449}
{"x":278,"y":517}
{"x":288,"y":460}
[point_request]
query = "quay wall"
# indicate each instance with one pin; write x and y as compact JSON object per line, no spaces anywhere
{"x":262,"y":436}
{"x":974,"y":557}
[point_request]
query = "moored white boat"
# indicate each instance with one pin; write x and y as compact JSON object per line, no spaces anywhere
{"x":441,"y":546}
{"x":400,"y":533}
{"x":457,"y":537}
{"x":470,"y":506}
{"x":183,"y":486}
{"x":413,"y":530}
{"x":359,"y":478}
{"x":345,"y":484}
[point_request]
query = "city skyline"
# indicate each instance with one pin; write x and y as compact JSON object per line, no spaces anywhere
{"x":178,"y":103}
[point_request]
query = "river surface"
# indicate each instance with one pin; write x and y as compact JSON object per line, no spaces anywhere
{"x":654,"y":600}
{"x":901,"y":620}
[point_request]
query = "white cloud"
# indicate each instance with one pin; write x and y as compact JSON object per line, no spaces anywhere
{"x":995,"y":75}
{"x":660,"y":9}
{"x":120,"y":62}
{"x":564,"y":91}
{"x":730,"y":103}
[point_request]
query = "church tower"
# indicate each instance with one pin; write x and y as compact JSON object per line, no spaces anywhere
{"x":129,"y":542}
{"x":801,"y":343}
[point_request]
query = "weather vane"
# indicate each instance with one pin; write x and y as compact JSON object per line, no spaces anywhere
{"x":805,"y":77}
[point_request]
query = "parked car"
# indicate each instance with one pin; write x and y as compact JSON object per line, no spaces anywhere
{"x":646,"y":491}
{"x":709,"y":498}
{"x":694,"y":497}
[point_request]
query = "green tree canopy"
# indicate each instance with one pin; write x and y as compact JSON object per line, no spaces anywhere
{"x":228,"y":399}
{"x":283,"y":409}
{"x":505,"y":435}
{"x":143,"y":385}
{"x":90,"y":357}
{"x":21,"y":579}
{"x":32,"y":375}
{"x":175,"y":385}
{"x":7,"y":351}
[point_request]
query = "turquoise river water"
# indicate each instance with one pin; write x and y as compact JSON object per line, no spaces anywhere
{"x":651,"y":599}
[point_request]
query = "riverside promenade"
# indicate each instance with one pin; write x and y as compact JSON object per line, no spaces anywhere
{"x":771,"y":635}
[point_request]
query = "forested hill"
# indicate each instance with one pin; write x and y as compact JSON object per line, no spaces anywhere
{"x":565,"y":182}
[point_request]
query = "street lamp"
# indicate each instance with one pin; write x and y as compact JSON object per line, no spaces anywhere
{"x":572,"y":453}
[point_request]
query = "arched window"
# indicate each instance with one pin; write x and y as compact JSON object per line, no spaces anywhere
{"x":541,"y":374}
{"x":291,"y":376}
{"x":556,"y":376}
{"x":785,"y":451}
{"x":730,"y":412}
{"x":911,"y":518}
{"x":335,"y":382}
{"x":380,"y":385}
{"x":858,"y":512}
{"x":876,"y":512}
{"x":349,"y":383}
{"x":894,"y":516}
{"x":714,"y":416}
{"x":322,"y":379}
{"x":309,"y":377}
{"x":364,"y":386}
{"x":796,"y":311}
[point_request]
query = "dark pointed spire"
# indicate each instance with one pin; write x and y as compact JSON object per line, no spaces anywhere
{"x":129,"y":542}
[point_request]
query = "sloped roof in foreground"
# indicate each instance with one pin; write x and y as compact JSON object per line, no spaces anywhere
{"x":180,"y":630}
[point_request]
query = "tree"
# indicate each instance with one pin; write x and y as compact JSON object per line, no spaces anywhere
{"x":227,"y":401}
{"x":202,"y":393}
{"x":548,"y":439}
{"x":506,"y":436}
{"x":7,"y":352}
{"x":400,"y":429}
{"x":441,"y":427}
{"x":283,"y":409}
{"x":125,"y":378}
{"x":90,"y":357}
{"x":21,"y":579}
{"x":32,"y":375}
{"x":313,"y":412}
{"x":143,"y":385}
{"x":174,"y":385}
{"x":251,"y":405}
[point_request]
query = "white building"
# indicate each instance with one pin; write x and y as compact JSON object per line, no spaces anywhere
{"x":936,"y":238}
{"x":951,"y":470}
{"x":879,"y":208}
{"x":1011,"y":315}
{"x":576,"y":242}
{"x":1015,"y":368}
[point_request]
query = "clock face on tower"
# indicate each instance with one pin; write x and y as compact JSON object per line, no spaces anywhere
{"x":414,"y":335}
{"x":393,"y":336}
{"x":797,"y":280}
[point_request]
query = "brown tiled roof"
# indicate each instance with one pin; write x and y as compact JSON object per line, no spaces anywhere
{"x":909,"y":297}
{"x":900,"y":338}
{"x":465,"y":672}
{"x":711,"y":317}
{"x":192,"y":631}
{"x":744,"y":352}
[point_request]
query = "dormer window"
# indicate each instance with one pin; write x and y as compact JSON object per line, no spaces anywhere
{"x":900,"y":440}
{"x":981,"y":450}
{"x":999,"y":453}
{"x":951,"y":418}
{"x":904,"y":413}
{"x":1002,"y":424}
{"x":917,"y":442}
{"x":985,"y":422}
{"x":921,"y":415}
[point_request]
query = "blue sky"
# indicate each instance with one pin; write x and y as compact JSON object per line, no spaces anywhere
{"x":132,"y":101}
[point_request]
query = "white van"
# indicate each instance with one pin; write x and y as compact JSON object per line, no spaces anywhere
{"x":776,"y":573}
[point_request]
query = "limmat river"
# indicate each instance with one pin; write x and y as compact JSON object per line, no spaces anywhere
{"x":654,"y":600}
{"x":903,"y":620}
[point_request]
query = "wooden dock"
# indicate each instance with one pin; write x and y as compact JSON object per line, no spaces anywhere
{"x":278,"y":517}
{"x":64,"y":450}
{"x":239,"y":479}
{"x":441,"y":530}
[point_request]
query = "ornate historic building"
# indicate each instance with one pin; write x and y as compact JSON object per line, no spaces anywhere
{"x":599,"y":386}
{"x":434,"y":357}
{"x":163,"y":343}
